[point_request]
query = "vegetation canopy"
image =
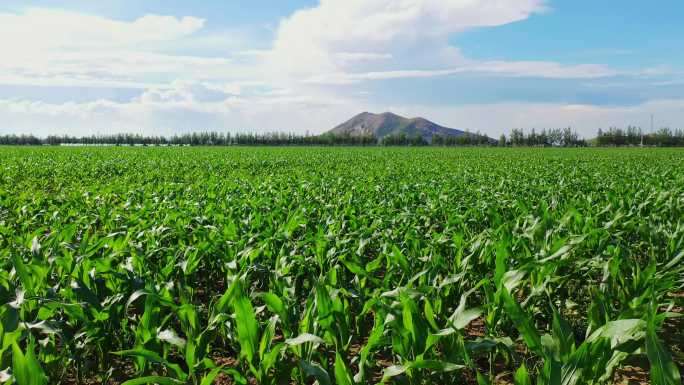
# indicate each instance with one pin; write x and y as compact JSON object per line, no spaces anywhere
{"x":340,"y":266}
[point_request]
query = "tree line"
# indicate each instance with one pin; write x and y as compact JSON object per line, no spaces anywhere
{"x":559,"y":137}
{"x":633,"y":136}
{"x":250,"y":139}
{"x":196,"y":139}
{"x":565,"y":137}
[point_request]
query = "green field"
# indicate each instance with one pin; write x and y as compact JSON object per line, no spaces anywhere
{"x":340,"y":265}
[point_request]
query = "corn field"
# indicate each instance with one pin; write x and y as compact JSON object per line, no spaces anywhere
{"x":340,"y":266}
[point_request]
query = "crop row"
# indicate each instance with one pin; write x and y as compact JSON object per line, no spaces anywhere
{"x":341,"y":266}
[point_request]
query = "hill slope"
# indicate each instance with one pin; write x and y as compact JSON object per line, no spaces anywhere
{"x":381,"y":125}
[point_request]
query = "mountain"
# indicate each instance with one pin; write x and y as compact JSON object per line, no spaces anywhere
{"x":381,"y":125}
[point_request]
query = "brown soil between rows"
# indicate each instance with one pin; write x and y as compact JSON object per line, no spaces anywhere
{"x":634,"y":372}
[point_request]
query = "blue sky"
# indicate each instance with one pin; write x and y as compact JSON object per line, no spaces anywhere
{"x":625,"y":34}
{"x":164,"y":67}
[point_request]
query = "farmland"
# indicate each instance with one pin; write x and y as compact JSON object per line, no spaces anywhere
{"x":340,"y":265}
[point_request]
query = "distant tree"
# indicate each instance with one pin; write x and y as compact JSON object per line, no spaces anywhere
{"x":517,"y":137}
{"x":502,"y":140}
{"x":438,"y":140}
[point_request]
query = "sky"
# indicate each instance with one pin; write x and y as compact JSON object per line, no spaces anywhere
{"x":164,"y":67}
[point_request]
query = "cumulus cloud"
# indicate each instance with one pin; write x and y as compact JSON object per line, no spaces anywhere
{"x":40,"y":28}
{"x":52,"y":47}
{"x":179,"y":107}
{"x":347,"y":42}
{"x":181,"y":91}
{"x":312,"y":39}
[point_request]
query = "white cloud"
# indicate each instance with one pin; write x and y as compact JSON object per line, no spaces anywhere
{"x":361,"y":56}
{"x":116,"y":69}
{"x":348,"y":42}
{"x":180,"y":91}
{"x":50,"y":47}
{"x":517,"y":69}
{"x":40,"y":29}
{"x":410,"y":31}
{"x":180,"y":107}
{"x":543,"y":69}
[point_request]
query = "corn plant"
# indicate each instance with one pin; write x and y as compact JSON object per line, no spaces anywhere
{"x":340,"y":266}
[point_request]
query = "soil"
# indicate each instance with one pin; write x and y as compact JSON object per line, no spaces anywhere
{"x":634,"y":372}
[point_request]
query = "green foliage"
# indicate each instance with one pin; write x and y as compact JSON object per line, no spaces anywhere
{"x":342,"y":266}
{"x":25,"y":367}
